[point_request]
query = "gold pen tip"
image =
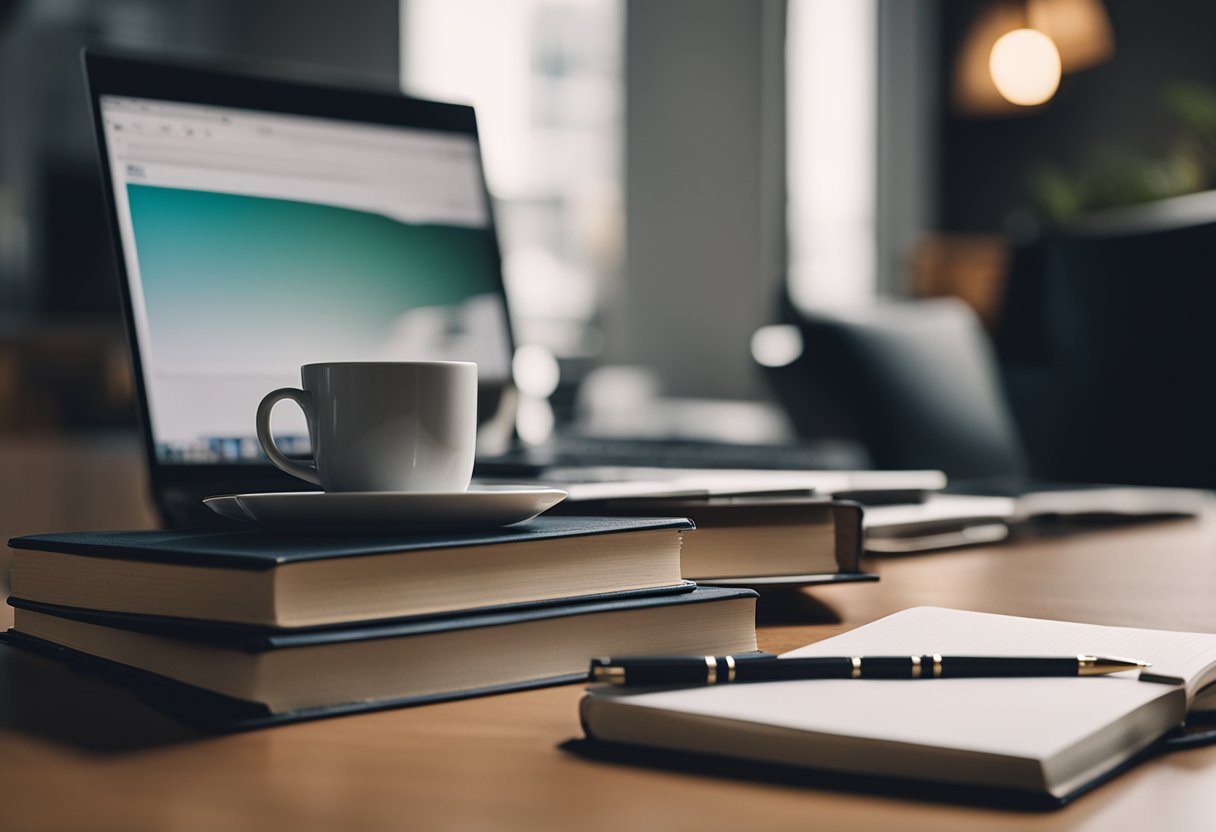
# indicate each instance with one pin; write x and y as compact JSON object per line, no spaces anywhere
{"x":611,"y":675}
{"x":1101,"y":665}
{"x":1114,"y":660}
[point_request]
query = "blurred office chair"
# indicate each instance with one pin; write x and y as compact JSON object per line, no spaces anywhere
{"x":916,"y":382}
{"x":1107,"y":338}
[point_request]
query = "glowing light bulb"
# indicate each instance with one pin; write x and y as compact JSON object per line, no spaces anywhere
{"x":1025,"y":67}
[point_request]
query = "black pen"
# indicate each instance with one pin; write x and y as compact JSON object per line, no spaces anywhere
{"x":717,"y":670}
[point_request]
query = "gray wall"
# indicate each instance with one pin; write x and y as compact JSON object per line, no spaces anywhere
{"x":705,"y":173}
{"x":907,"y":138}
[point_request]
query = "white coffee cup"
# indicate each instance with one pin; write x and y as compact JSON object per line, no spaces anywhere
{"x":402,"y":426}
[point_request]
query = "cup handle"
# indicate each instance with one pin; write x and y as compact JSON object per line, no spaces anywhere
{"x":304,"y":400}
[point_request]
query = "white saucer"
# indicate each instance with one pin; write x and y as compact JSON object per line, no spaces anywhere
{"x":484,"y":507}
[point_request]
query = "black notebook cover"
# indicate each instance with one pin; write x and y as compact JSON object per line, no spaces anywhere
{"x":242,"y":549}
{"x":219,"y":712}
{"x":738,"y":768}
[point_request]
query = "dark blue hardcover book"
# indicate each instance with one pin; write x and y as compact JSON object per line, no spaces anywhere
{"x":236,"y":678}
{"x":259,"y":550}
{"x":298,"y":581}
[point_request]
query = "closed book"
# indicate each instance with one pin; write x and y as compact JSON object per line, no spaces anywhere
{"x":756,"y":540}
{"x":232,"y":676}
{"x":1046,"y":738}
{"x":277,"y":580}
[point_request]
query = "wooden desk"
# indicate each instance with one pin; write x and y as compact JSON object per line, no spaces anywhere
{"x":76,"y":753}
{"x":52,"y":483}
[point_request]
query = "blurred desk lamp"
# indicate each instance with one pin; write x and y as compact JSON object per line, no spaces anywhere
{"x":1015,"y":53}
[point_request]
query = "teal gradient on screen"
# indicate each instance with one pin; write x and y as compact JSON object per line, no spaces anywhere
{"x":231,"y":275}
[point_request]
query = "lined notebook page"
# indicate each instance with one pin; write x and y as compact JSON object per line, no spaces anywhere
{"x":926,"y":630}
{"x":1027,"y":717}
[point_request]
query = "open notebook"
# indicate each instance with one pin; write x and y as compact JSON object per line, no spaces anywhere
{"x":1051,"y":736}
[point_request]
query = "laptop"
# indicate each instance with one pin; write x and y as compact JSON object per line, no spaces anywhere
{"x":261,"y":224}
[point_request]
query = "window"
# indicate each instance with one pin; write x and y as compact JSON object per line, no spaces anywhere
{"x":831,"y":101}
{"x":547,"y":81}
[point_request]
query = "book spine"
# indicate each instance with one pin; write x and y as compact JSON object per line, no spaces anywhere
{"x":850,"y":538}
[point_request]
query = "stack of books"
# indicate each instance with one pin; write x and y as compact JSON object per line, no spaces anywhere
{"x":246,"y":628}
{"x":754,"y":539}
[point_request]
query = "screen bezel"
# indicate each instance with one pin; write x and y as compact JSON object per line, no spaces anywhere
{"x":191,"y":83}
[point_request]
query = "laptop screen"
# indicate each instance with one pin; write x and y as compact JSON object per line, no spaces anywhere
{"x":255,"y":242}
